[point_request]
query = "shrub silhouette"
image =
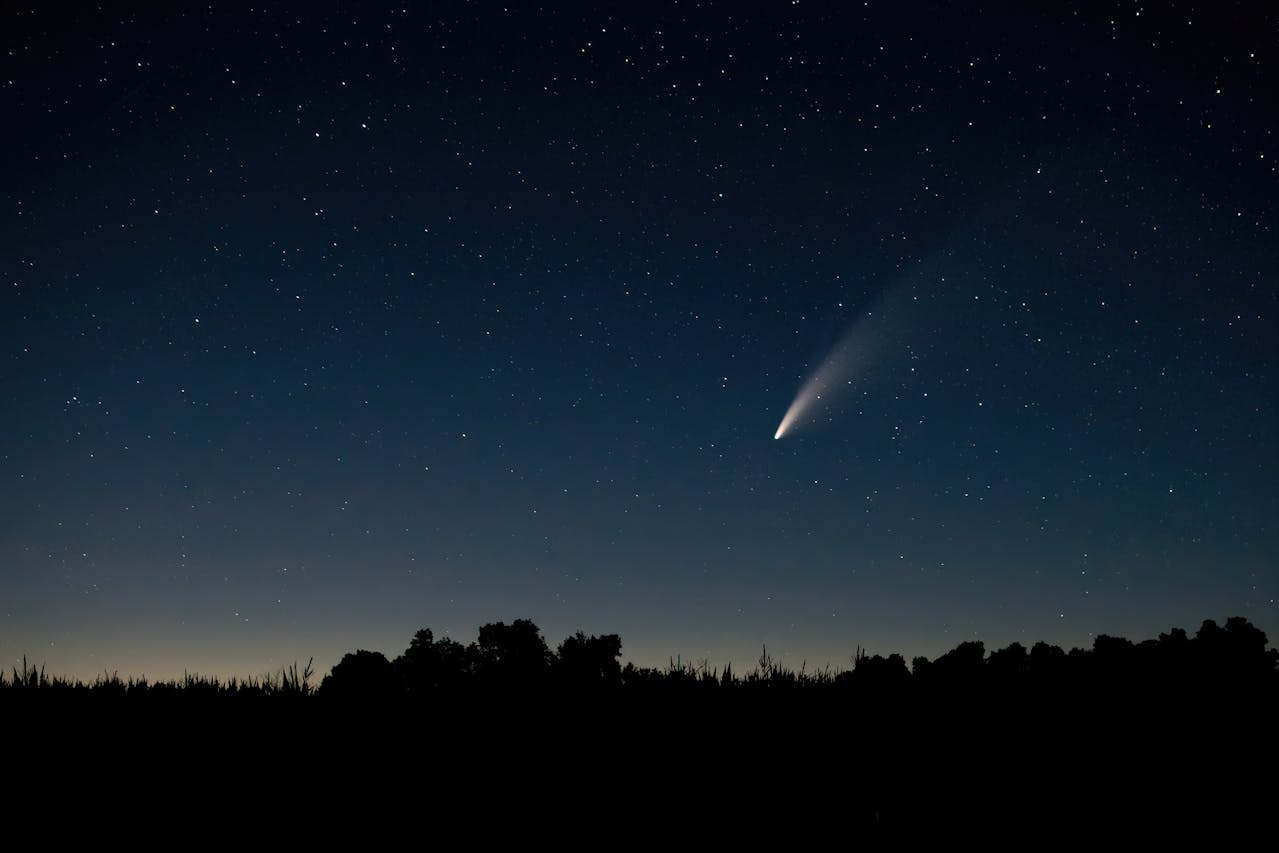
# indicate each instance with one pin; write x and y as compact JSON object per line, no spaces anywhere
{"x":360,"y":674}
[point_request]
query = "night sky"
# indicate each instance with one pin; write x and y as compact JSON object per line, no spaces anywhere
{"x":320,"y":326}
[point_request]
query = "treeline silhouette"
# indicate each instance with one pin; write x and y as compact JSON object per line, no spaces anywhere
{"x":1166,"y":731}
{"x":516,"y":657}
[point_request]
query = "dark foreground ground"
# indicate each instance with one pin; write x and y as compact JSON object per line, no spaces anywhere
{"x":609,"y":768}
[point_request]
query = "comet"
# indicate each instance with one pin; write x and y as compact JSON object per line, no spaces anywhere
{"x":848,"y":361}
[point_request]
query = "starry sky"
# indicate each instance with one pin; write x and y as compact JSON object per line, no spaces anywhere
{"x":320,"y":325}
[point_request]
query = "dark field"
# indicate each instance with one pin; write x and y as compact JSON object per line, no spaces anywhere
{"x":1149,"y":737}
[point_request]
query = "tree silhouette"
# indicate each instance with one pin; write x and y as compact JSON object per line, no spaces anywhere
{"x":1220,"y":663}
{"x":512,"y":655}
{"x":583,"y":661}
{"x":1113,"y":660}
{"x":1047,"y":661}
{"x":963,"y":664}
{"x":429,"y":664}
{"x":1236,"y":651}
{"x":1009,"y":663}
{"x":876,"y":673}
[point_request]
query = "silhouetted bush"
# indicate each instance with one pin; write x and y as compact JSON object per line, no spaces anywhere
{"x":360,"y":674}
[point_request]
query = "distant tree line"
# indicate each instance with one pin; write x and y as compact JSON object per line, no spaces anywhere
{"x":513,"y":656}
{"x":1142,"y":733}
{"x":516,"y":656}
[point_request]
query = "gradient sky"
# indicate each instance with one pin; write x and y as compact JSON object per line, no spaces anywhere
{"x":319,"y":326}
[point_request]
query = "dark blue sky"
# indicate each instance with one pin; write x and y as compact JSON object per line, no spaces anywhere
{"x":320,"y":326}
